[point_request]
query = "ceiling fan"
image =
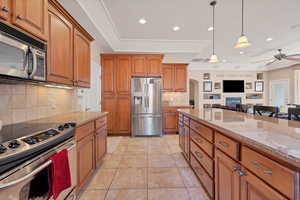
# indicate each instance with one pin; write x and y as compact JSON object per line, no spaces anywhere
{"x":281,"y":56}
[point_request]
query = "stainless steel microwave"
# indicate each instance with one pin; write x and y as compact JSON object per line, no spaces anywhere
{"x":21,"y":56}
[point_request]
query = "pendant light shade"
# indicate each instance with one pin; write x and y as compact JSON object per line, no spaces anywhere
{"x":214,"y":57}
{"x":243,"y":41}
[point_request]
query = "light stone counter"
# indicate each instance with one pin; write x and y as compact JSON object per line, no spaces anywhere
{"x":277,"y":137}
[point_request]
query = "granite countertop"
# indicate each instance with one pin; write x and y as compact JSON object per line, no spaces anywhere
{"x":277,"y":137}
{"x":77,"y":117}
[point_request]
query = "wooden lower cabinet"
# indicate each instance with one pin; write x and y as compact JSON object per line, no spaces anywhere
{"x":100,"y":144}
{"x":85,"y":159}
{"x":252,"y":188}
{"x":170,"y":122}
{"x":227,"y":180}
{"x":228,"y":169}
{"x":91,"y":148}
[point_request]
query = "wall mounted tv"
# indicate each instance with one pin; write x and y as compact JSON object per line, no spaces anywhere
{"x":233,"y":86}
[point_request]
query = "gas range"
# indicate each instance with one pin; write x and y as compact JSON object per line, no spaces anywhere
{"x":23,"y":141}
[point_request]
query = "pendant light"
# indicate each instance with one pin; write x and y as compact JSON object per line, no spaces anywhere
{"x":214,"y":57}
{"x":243,"y":40}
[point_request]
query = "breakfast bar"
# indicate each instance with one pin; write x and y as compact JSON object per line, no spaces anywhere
{"x":241,"y":156}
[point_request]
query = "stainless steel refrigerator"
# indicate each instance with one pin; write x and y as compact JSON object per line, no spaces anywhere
{"x":146,"y":109}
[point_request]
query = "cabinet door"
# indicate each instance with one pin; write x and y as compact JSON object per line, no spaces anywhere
{"x":123,"y":115}
{"x":170,"y":122}
{"x":60,"y":48}
{"x":187,"y":142}
{"x":108,"y":75}
{"x":100,"y":144}
{"x":31,"y":15}
{"x":181,"y":137}
{"x":180,"y":80}
{"x":85,"y":159}
{"x":154,"y":67}
{"x":252,"y":188}
{"x":139,"y":66}
{"x":168,"y":77}
{"x":82,"y":59}
{"x":123,"y":72}
{"x":227,"y":180}
{"x":5,"y":10}
{"x":109,"y":105}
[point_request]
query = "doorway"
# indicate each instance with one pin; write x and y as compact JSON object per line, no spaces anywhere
{"x":279,"y":93}
{"x":194,"y":93}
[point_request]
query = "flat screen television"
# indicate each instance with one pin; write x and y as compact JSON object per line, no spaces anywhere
{"x":233,"y":86}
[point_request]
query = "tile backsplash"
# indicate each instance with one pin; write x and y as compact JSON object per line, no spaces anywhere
{"x":28,"y":102}
{"x":176,"y":98}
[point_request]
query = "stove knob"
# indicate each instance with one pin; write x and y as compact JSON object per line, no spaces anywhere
{"x":72,"y":124}
{"x":66,"y":125}
{"x":2,"y":149}
{"x":61,"y":128}
{"x":14,"y":144}
{"x":30,"y":140}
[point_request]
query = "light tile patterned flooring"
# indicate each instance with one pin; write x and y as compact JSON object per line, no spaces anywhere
{"x":144,"y":169}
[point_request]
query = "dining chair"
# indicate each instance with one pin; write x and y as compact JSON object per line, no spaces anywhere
{"x":242,"y":108}
{"x":270,"y":111}
{"x":294,"y":113}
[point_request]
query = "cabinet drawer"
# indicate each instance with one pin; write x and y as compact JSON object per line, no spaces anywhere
{"x":206,"y":181}
{"x":84,"y":130}
{"x":205,"y":145}
{"x":227,"y":145}
{"x":204,"y":160}
{"x":204,"y":131}
{"x":100,"y":122}
{"x":186,"y":120}
{"x":278,"y":176}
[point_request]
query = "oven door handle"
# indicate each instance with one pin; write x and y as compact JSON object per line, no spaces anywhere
{"x":34,"y":172}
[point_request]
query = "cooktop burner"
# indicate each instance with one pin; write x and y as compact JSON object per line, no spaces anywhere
{"x":21,"y":141}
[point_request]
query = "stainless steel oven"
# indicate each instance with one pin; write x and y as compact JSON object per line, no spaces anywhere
{"x":21,"y":56}
{"x":31,"y":181}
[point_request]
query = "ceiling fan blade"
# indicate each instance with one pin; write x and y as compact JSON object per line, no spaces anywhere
{"x":270,"y":63}
{"x":259,"y":61}
{"x":292,"y":59}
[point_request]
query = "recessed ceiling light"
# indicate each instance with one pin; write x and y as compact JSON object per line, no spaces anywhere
{"x":224,"y":61}
{"x":176,"y":28}
{"x":241,"y":52}
{"x":142,"y":21}
{"x":210,"y":28}
{"x":269,"y":39}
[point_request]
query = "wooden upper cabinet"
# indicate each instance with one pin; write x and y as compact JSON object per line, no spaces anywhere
{"x":108,"y":74}
{"x":31,"y":16}
{"x":5,"y":10}
{"x":82,"y":57}
{"x":123,"y":72}
{"x":252,"y":188}
{"x":168,"y":77}
{"x":180,"y":80}
{"x":154,"y":67}
{"x":139,"y":65}
{"x":60,"y":48}
{"x":227,"y":180}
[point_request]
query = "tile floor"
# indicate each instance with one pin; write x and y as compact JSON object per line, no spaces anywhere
{"x":144,"y":169}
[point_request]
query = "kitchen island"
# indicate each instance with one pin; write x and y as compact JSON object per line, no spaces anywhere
{"x":241,"y":156}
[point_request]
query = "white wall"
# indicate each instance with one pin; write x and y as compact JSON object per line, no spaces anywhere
{"x":90,"y":99}
{"x":219,"y":77}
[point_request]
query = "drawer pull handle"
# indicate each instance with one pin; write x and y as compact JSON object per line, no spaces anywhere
{"x":224,"y":144}
{"x":236,"y":169}
{"x":19,"y":17}
{"x":200,"y":141}
{"x":256,"y":164}
{"x":240,"y":173}
{"x":4,"y":9}
{"x":199,"y":155}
